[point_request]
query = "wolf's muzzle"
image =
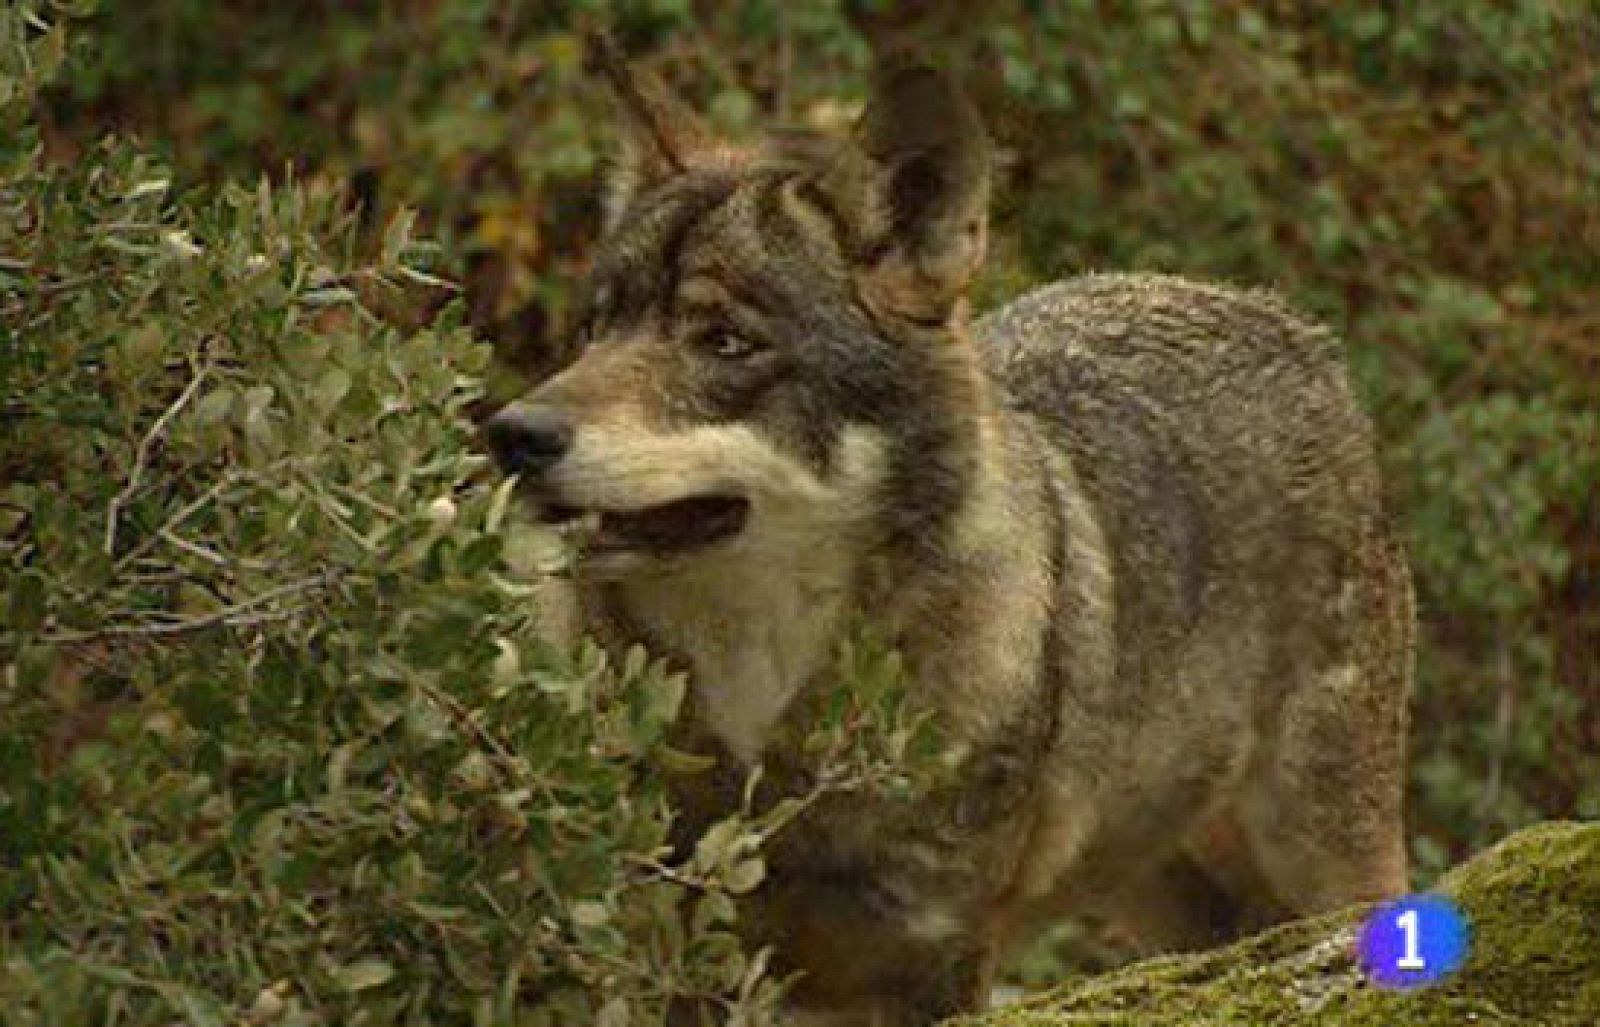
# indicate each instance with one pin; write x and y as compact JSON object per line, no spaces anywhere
{"x":526,"y":439}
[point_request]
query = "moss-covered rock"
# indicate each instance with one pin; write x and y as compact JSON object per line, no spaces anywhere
{"x":1534,"y":905}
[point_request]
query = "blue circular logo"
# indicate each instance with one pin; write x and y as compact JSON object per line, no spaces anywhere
{"x":1413,"y":942}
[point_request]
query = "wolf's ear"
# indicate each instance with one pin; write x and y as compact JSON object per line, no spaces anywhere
{"x":914,"y":190}
{"x":661,"y":137}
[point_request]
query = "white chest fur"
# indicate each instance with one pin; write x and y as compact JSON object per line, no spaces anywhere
{"x":759,"y":617}
{"x":756,"y":627}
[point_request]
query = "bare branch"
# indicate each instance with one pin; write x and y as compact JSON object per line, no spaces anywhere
{"x":142,"y":456}
{"x":193,"y":548}
{"x":242,"y":614}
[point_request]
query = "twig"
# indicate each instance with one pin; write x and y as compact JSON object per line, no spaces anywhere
{"x":1500,"y":743}
{"x":367,"y":501}
{"x":232,"y":477}
{"x":782,"y":89}
{"x":240,"y":614}
{"x":334,"y":512}
{"x":132,"y":555}
{"x":142,"y":456}
{"x":662,"y":871}
{"x":463,"y":718}
{"x":193,"y":548}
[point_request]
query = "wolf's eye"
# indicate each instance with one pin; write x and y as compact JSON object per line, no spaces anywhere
{"x":725,"y":345}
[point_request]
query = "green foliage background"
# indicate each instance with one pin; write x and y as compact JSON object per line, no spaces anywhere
{"x":1425,"y":178}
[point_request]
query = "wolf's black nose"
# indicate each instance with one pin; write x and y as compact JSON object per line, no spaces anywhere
{"x":528,"y":439}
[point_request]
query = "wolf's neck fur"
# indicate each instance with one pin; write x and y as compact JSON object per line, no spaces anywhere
{"x":754,"y":630}
{"x":759,"y":622}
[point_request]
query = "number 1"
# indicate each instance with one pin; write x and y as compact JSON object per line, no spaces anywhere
{"x":1411,"y":959}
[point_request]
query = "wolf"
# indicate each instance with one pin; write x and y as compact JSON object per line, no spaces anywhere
{"x":1126,"y":532}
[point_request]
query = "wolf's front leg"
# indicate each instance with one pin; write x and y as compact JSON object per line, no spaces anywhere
{"x":911,"y":996}
{"x":872,"y":951}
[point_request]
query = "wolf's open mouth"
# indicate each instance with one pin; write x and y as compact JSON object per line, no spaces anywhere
{"x":670,"y":527}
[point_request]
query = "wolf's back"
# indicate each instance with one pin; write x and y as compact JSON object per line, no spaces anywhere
{"x":1183,"y":384}
{"x":1214,"y":432}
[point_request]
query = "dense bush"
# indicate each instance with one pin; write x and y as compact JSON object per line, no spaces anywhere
{"x":281,"y":741}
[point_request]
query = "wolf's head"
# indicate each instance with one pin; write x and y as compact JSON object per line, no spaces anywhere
{"x":769,"y":337}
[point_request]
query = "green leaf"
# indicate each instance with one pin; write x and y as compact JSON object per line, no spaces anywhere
{"x":614,"y":1013}
{"x":397,"y":237}
{"x":364,"y":974}
{"x":332,"y":387}
{"x":214,"y":406}
{"x":588,"y":913}
{"x":676,"y":761}
{"x":745,"y":875}
{"x":499,"y":501}
{"x":28,"y":602}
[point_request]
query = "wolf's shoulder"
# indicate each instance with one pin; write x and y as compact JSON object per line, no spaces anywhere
{"x":1136,"y":370}
{"x":1204,"y":324}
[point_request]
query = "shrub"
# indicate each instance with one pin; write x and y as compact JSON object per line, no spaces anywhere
{"x":282,"y":740}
